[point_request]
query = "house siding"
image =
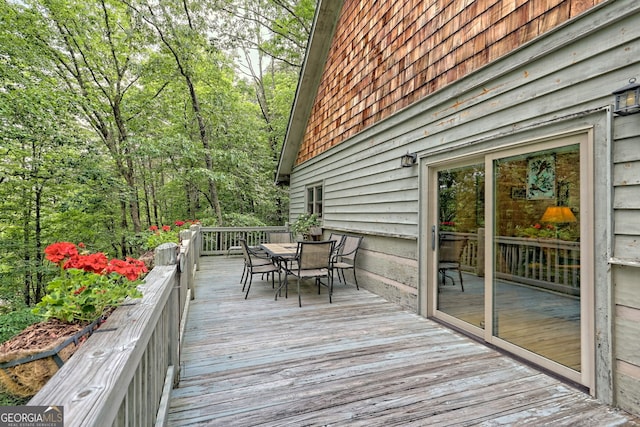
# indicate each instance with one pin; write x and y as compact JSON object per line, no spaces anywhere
{"x":388,"y":55}
{"x":557,"y":84}
{"x":626,"y":253}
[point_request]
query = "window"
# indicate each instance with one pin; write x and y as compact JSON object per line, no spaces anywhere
{"x":314,"y":200}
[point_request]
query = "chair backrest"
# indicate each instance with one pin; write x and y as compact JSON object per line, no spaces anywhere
{"x":245,"y":251}
{"x":280,"y":237}
{"x":349,"y":248}
{"x":315,"y":254}
{"x":339,"y":239}
{"x":451,"y":248}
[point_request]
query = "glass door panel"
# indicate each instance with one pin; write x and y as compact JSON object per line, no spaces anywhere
{"x":460,"y":244}
{"x":536,"y":253}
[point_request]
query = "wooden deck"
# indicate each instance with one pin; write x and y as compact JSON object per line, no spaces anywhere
{"x":360,"y":361}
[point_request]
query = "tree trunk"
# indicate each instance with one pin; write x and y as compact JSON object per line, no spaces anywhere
{"x":38,"y":249}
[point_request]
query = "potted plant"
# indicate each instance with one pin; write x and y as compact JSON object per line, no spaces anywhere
{"x":87,"y":287}
{"x":307,"y":225}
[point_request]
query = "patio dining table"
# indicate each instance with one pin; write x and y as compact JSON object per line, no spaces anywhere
{"x":280,"y":251}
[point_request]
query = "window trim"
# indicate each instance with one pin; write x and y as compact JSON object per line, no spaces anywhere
{"x":313,"y":205}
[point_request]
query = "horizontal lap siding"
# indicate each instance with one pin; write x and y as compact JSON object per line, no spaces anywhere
{"x":626,"y":182}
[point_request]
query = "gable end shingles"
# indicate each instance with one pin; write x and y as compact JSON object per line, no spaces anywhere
{"x":386,"y":56}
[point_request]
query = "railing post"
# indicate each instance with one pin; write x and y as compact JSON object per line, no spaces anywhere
{"x":167,"y":254}
{"x":196,"y":246}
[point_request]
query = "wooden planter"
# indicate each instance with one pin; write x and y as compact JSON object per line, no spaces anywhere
{"x":24,"y":371}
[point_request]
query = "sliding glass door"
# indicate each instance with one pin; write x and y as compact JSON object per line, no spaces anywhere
{"x":461,"y":289}
{"x":536,"y":251}
{"x":507,"y":250}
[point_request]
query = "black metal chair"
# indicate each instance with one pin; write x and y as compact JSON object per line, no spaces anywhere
{"x":255,"y":265}
{"x":345,"y":258}
{"x":339,"y":239}
{"x":258,"y":258}
{"x":313,"y":261}
{"x":280,"y":237}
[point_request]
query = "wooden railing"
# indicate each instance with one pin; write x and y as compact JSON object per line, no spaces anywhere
{"x":547,"y":263}
{"x":123,"y":374}
{"x":223,"y":240}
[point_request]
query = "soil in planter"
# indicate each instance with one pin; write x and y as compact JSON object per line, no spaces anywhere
{"x":26,"y":379}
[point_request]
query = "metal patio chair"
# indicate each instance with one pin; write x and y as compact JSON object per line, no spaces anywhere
{"x":345,"y":258}
{"x":280,"y":237}
{"x":313,"y":261}
{"x":256,"y":265}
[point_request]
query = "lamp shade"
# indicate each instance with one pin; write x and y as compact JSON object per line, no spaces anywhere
{"x":558,"y":214}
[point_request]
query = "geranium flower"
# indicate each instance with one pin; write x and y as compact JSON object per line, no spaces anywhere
{"x":179,"y":223}
{"x":94,"y":263}
{"x":153,"y":228}
{"x":130,"y":268}
{"x":57,"y":252}
{"x":83,"y":289}
{"x":166,"y":228}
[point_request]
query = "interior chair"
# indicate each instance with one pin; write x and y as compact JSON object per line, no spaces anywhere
{"x":280,"y":237}
{"x":256,"y":265}
{"x":449,"y":254}
{"x":345,"y":258}
{"x":313,"y":261}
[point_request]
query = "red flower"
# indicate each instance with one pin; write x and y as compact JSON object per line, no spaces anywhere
{"x":153,"y":228}
{"x":81,"y":245}
{"x":94,"y":263}
{"x":166,"y":228}
{"x":79,"y":291}
{"x":537,"y":226}
{"x":179,"y":223}
{"x":130,"y":268}
{"x":56,"y":252}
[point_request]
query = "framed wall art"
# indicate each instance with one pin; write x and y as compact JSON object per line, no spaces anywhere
{"x":541,"y":177}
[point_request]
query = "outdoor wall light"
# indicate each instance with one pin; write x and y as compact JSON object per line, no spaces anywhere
{"x":627,"y":99}
{"x":408,"y":160}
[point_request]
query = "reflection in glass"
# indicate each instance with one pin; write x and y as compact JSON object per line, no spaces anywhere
{"x":536,"y":289}
{"x":460,"y":243}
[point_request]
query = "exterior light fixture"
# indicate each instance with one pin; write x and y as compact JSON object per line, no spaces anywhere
{"x":627,"y":99}
{"x":408,"y":160}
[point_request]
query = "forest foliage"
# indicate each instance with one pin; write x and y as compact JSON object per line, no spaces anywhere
{"x":121,"y":115}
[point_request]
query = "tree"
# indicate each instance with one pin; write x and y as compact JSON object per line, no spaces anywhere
{"x":271,"y":36}
{"x":179,"y":27}
{"x":98,"y":51}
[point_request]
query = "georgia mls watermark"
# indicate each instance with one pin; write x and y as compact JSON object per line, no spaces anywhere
{"x":31,"y":416}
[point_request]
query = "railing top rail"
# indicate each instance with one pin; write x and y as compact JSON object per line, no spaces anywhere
{"x":268,"y":228}
{"x":539,"y":242}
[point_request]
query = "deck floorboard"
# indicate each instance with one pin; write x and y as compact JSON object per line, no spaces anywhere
{"x":360,"y":361}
